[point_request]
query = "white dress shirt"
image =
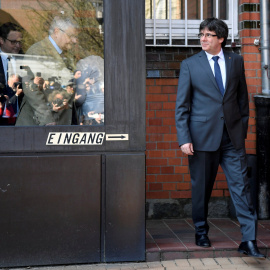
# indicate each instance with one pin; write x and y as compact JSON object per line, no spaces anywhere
{"x":55,"y":45}
{"x":4,"y":57}
{"x":9,"y":64}
{"x":221,"y":62}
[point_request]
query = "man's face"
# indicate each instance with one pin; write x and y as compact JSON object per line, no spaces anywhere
{"x":67,"y":38}
{"x":78,"y":74}
{"x":12,"y":44}
{"x":69,"y":89}
{"x":211,"y":44}
{"x":12,"y":80}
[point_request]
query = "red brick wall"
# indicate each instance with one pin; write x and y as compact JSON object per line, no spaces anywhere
{"x":167,"y":174}
{"x":167,"y":169}
{"x":252,"y":58}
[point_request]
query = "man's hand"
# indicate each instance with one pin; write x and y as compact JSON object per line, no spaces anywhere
{"x":65,"y":104}
{"x":57,"y":108}
{"x":18,"y":91}
{"x":187,"y":148}
{"x":39,"y":82}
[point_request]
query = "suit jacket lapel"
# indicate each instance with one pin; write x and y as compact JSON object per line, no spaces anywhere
{"x":206,"y":66}
{"x":2,"y":72}
{"x":228,"y":62}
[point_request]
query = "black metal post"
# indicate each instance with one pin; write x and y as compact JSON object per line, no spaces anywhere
{"x":262,"y":104}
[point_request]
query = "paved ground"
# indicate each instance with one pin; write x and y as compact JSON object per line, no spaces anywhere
{"x":170,"y":246}
{"x":241,"y":263}
{"x":172,"y":239}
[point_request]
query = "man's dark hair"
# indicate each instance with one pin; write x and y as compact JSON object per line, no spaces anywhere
{"x":217,"y":26}
{"x":7,"y":27}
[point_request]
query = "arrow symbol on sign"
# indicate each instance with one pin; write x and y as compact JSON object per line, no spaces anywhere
{"x":117,"y":137}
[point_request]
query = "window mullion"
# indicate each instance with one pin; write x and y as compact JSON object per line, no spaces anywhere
{"x":186,"y":23}
{"x":170,"y":22}
{"x":201,"y":10}
{"x":154,"y":6}
{"x":232,"y":19}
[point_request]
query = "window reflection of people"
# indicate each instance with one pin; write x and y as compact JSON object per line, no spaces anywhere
{"x":10,"y":44}
{"x":93,"y":108}
{"x":38,"y":106}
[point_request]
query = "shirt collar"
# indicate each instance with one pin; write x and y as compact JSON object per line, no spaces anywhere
{"x":55,"y":45}
{"x":3,"y":55}
{"x":210,"y":56}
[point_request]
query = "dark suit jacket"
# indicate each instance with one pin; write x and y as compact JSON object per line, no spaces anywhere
{"x":201,"y":110}
{"x":2,"y":73}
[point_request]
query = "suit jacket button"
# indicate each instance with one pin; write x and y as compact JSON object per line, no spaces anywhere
{"x":222,"y":118}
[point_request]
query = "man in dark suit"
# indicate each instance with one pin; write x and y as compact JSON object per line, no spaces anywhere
{"x":212,"y":120}
{"x":10,"y":44}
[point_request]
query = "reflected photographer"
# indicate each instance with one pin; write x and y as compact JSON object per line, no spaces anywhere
{"x":40,"y":106}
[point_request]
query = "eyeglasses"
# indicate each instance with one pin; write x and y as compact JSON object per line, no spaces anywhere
{"x":206,"y":35}
{"x":70,"y":36}
{"x":14,"y":42}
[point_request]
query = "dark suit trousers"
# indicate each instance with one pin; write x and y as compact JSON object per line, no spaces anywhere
{"x":203,"y":170}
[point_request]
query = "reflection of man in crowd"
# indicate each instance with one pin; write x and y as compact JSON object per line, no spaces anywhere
{"x":62,"y":36}
{"x":77,"y":74}
{"x":37,"y":107}
{"x":10,"y":43}
{"x":90,"y":89}
{"x":13,"y":78}
{"x":15,"y":83}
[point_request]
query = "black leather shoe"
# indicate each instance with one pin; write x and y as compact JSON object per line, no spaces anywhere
{"x":250,"y":248}
{"x":202,"y":240}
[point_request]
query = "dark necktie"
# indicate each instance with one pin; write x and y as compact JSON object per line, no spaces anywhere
{"x":218,"y":76}
{"x":8,"y":59}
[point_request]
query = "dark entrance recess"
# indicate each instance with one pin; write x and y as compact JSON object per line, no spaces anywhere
{"x":82,"y":204}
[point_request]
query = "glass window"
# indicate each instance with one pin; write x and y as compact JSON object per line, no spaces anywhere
{"x":178,"y":9}
{"x":162,"y":9}
{"x":194,"y":12}
{"x":52,"y":62}
{"x":176,"y":22}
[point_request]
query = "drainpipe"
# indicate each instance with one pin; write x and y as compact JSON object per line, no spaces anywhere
{"x":265,"y":45}
{"x":262,"y":103}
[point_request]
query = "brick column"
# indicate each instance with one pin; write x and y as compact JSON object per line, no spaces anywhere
{"x":249,"y":30}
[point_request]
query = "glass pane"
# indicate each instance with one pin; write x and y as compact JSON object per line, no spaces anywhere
{"x":208,"y":8}
{"x":148,"y":9}
{"x":52,"y":70}
{"x":194,"y":9}
{"x":178,"y":9}
{"x":161,"y":9}
{"x":223,"y":9}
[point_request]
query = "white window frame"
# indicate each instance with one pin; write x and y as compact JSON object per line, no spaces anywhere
{"x":186,"y":29}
